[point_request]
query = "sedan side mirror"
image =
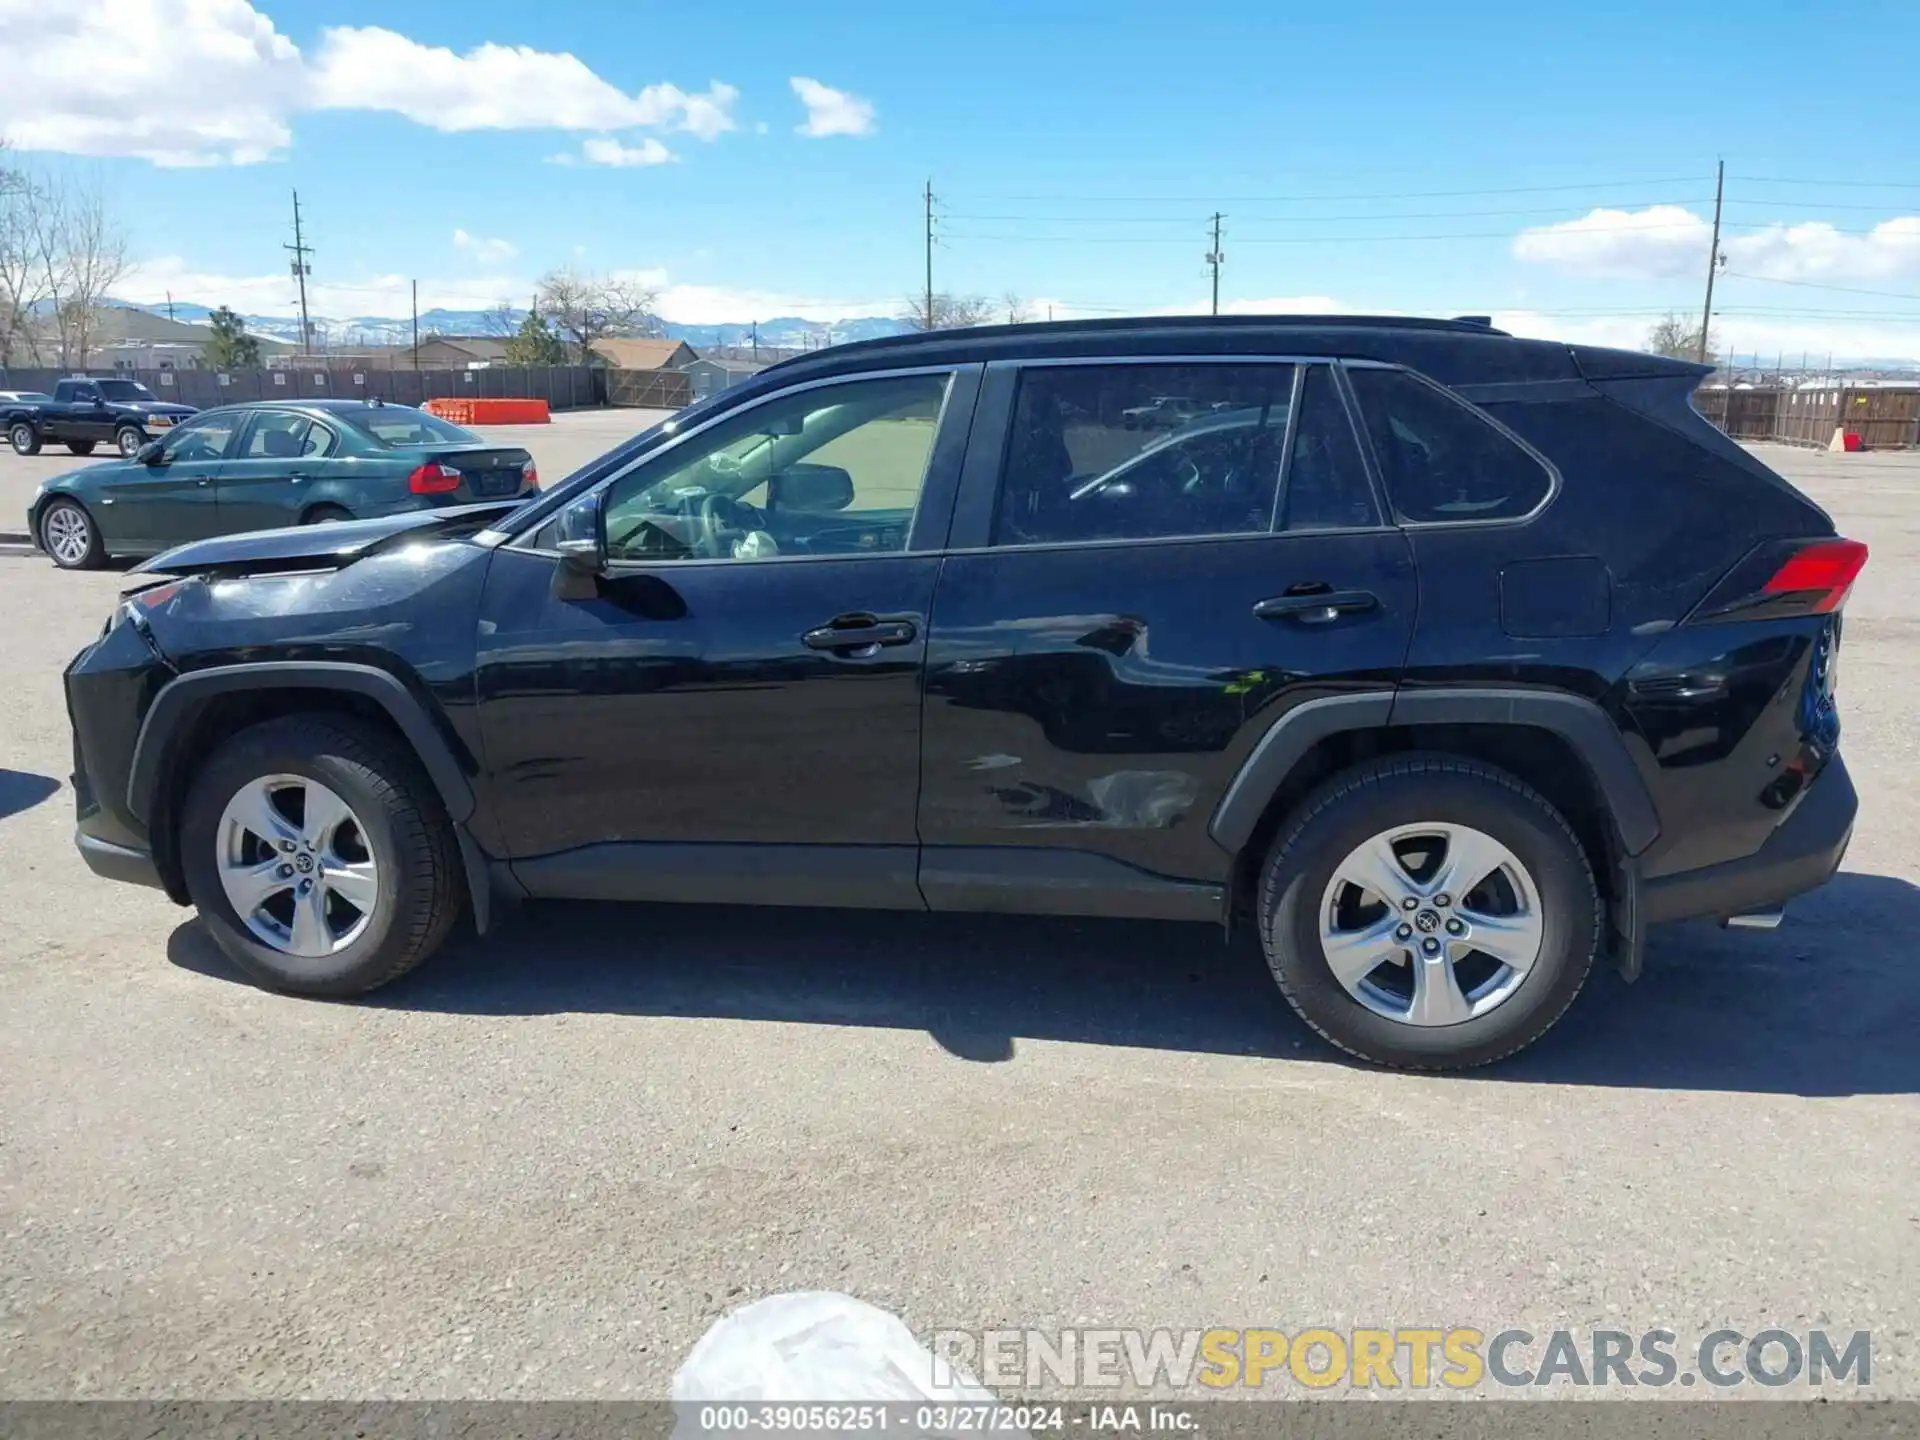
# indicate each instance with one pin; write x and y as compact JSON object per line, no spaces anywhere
{"x":150,"y":453}
{"x":581,"y":540}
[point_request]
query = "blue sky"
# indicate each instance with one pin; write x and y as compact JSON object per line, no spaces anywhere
{"x":1394,"y":156}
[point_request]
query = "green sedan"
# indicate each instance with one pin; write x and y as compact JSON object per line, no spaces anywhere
{"x":266,"y":465}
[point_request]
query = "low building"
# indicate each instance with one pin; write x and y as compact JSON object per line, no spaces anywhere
{"x":708,"y":374}
{"x":629,"y":353}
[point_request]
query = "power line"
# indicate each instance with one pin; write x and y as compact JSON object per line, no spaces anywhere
{"x":1271,"y":197}
{"x":1843,"y":184}
{"x":1814,"y":285}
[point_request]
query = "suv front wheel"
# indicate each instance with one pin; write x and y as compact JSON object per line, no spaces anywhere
{"x":319,"y":856}
{"x":1429,"y":912}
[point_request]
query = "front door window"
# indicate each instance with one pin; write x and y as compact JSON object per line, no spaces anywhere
{"x":832,"y":470}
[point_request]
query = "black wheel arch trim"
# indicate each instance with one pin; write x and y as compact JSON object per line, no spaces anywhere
{"x":1580,"y":722}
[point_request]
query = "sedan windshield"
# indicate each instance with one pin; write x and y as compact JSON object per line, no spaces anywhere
{"x":125,"y":390}
{"x":401,"y":428}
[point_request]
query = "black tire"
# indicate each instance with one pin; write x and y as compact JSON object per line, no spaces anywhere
{"x":1413,"y":789}
{"x":24,"y":438}
{"x":80,"y":447}
{"x":95,"y":554}
{"x":404,"y":827}
{"x":129,"y":438}
{"x":321,"y":514}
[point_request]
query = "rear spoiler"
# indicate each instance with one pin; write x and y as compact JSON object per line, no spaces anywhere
{"x":1597,"y":363}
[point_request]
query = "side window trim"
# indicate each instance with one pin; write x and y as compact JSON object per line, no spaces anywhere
{"x":933,"y":510}
{"x":1294,"y":397}
{"x":1374,"y":466}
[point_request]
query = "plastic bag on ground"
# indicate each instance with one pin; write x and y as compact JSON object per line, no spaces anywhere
{"x":813,"y":1345}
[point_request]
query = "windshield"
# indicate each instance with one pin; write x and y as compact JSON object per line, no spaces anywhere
{"x":400,"y":428}
{"x":125,"y":390}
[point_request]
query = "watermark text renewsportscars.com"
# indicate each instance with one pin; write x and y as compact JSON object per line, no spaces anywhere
{"x":1403,"y":1358}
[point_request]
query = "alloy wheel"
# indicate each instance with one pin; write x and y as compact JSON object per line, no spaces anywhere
{"x":67,"y":534}
{"x":296,"y":866}
{"x":1431,"y":924}
{"x":130,"y":443}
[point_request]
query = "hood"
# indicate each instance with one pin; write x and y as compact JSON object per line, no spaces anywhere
{"x":318,"y":547}
{"x":157,"y":407}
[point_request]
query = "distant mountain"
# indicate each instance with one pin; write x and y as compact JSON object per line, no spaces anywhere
{"x":781,"y":333}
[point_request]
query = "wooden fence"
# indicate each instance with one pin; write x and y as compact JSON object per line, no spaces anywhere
{"x":1884,"y":417}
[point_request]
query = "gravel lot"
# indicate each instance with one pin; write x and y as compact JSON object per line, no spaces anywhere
{"x":540,"y":1168}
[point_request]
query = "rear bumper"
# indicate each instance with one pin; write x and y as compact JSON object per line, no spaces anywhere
{"x":119,"y":862}
{"x":1801,"y":854}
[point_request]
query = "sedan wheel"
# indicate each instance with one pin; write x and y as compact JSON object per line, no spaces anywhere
{"x":67,"y":534}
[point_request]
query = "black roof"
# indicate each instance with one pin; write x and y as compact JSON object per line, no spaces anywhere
{"x":1454,"y":352}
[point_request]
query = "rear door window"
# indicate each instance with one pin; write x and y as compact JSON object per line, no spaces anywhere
{"x":1140,"y":452}
{"x":1442,"y":460}
{"x":274,"y":435}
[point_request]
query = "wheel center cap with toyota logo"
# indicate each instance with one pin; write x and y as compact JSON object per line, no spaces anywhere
{"x":1427,"y":922}
{"x":304,"y":864}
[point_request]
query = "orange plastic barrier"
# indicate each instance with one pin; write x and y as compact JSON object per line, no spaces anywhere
{"x":490,"y":412}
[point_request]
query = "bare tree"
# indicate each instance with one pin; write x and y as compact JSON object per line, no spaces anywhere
{"x":501,"y":320}
{"x":586,"y":309}
{"x":1677,"y":338}
{"x":92,"y":250}
{"x":1018,"y":311}
{"x":26,"y":212}
{"x":950,"y":312}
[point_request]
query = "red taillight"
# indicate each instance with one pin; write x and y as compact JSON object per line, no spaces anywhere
{"x":1823,"y":571}
{"x":433,"y":478}
{"x":530,"y":475}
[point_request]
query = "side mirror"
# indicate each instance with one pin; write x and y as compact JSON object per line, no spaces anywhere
{"x":150,"y":454}
{"x":582,"y":543}
{"x":807,"y":486}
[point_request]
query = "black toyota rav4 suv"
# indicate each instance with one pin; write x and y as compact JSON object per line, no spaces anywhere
{"x":1445,"y":660}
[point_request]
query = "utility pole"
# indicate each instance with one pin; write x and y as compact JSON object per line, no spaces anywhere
{"x":1713,"y":258}
{"x":756,"y":340}
{"x":1214,"y":257}
{"x":929,"y":200}
{"x":416,"y":324}
{"x":301,"y":251}
{"x":169,"y":305}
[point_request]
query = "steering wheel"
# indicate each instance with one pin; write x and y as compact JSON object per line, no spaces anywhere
{"x":719,"y":514}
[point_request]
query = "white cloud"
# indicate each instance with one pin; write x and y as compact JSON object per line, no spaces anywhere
{"x":1665,"y":242}
{"x":176,"y":82}
{"x":203,"y":82}
{"x":497,"y":87}
{"x":486,"y":250}
{"x":831,"y":111}
{"x":719,"y":305}
{"x":1845,"y":340}
{"x":604,"y":150}
{"x":150,"y":281}
{"x":1660,"y":242}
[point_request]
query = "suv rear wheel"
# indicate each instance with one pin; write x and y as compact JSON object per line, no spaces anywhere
{"x":319,"y":856}
{"x":1429,"y":912}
